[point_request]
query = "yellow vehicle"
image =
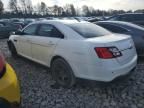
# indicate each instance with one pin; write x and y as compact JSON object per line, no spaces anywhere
{"x":9,"y":85}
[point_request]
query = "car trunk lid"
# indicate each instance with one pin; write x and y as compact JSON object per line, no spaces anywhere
{"x":124,"y":43}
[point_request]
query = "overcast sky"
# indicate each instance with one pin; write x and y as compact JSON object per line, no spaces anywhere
{"x":97,"y":4}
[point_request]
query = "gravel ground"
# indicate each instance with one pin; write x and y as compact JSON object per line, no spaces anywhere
{"x":37,"y":92}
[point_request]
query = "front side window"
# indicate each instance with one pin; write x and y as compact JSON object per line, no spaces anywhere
{"x":30,"y":30}
{"x":89,"y":30}
{"x":47,"y":30}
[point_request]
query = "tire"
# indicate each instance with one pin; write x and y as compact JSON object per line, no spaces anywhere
{"x":62,"y":73}
{"x":12,"y":49}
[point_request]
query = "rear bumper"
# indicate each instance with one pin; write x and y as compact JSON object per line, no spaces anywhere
{"x":121,"y":77}
{"x":107,"y":73}
{"x":10,"y":89}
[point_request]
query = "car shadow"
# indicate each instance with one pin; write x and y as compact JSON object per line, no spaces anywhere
{"x":118,"y":84}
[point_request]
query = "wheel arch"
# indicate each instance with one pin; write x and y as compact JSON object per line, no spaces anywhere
{"x":10,"y":42}
{"x":56,"y":57}
{"x":64,"y":58}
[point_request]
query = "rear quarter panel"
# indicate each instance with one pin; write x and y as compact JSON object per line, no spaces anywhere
{"x":75,"y":52}
{"x":79,"y":54}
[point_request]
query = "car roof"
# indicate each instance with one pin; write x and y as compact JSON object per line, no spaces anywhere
{"x":118,"y":22}
{"x":122,"y":23}
{"x":61,"y":25}
{"x":132,"y":14}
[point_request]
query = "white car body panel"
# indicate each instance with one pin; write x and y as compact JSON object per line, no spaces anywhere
{"x":79,"y":53}
{"x":45,"y":47}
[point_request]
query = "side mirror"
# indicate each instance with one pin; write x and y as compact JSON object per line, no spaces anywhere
{"x":19,"y":32}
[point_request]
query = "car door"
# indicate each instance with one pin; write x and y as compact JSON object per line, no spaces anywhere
{"x":23,"y":40}
{"x":44,"y":44}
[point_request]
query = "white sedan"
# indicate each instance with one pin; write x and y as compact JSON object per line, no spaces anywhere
{"x":74,"y":49}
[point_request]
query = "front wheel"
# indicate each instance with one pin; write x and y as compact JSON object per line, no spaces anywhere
{"x":62,"y":73}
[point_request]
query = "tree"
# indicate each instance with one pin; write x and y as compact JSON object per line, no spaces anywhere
{"x":1,"y":7}
{"x":73,"y":11}
{"x":66,"y":10}
{"x":43,"y":8}
{"x":26,"y":6}
{"x":92,"y":11}
{"x":29,"y":7}
{"x":55,"y":9}
{"x":23,"y":6}
{"x":13,"y":5}
{"x":137,"y":11}
{"x":69,"y":10}
{"x":78,"y":11}
{"x":60,"y":11}
{"x":38,"y":8}
{"x":85,"y":10}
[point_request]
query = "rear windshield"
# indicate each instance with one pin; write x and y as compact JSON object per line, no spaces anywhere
{"x":89,"y":30}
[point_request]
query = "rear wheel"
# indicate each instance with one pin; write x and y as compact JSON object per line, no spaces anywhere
{"x":12,"y":49}
{"x":62,"y":73}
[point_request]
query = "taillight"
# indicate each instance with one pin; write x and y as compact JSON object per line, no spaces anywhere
{"x":2,"y":65}
{"x":108,"y":52}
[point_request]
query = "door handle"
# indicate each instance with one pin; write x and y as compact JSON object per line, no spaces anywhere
{"x":15,"y":40}
{"x":28,"y":40}
{"x":50,"y":43}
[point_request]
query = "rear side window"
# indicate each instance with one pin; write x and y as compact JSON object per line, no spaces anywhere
{"x":30,"y":30}
{"x":89,"y":30}
{"x":139,"y":17}
{"x":113,"y":28}
{"x":48,"y":30}
{"x":128,"y":17}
